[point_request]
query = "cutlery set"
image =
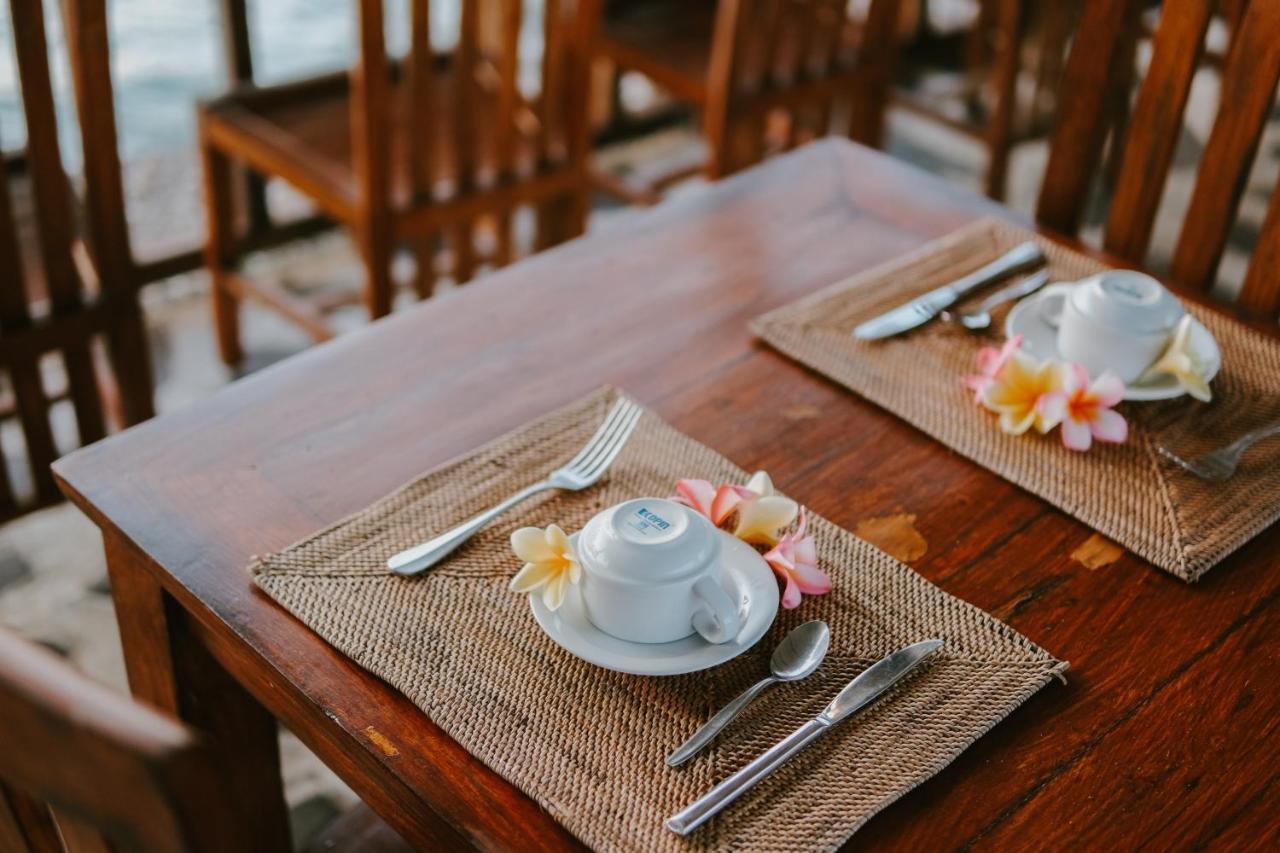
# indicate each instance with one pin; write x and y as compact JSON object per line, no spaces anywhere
{"x":799,"y":654}
{"x":856,"y":695}
{"x":923,"y":308}
{"x":1216,"y":466}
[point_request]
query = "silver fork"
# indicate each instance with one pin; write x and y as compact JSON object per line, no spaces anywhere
{"x":1220,"y":464}
{"x":581,"y":472}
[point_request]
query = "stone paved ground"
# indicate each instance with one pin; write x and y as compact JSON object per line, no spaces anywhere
{"x":52,"y":580}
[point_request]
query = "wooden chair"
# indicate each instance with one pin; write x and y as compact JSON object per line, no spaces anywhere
{"x":1251,"y":70}
{"x":83,"y":768}
{"x":409,"y":151}
{"x":78,"y":288}
{"x":1008,"y":38}
{"x":765,"y":75}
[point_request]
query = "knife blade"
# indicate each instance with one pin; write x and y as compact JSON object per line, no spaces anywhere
{"x":924,"y":308}
{"x":857,"y":694}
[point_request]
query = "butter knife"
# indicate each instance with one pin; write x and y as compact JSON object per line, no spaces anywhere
{"x":857,"y":694}
{"x":924,"y":308}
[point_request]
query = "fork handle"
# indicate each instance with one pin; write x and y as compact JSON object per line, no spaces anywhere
{"x":1249,"y":439}
{"x":419,"y":558}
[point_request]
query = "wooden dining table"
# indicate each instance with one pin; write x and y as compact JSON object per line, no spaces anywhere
{"x":1166,"y":733}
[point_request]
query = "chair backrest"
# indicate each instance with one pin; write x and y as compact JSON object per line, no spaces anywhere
{"x":45,"y":304}
{"x":488,"y":107}
{"x":85,"y":768}
{"x":804,"y":61}
{"x":1250,"y":74}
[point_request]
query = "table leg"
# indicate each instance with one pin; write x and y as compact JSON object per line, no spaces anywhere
{"x":171,"y":669}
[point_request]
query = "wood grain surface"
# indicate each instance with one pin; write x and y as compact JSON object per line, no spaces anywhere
{"x":1164,"y":735}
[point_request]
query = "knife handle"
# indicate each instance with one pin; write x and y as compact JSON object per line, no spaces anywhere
{"x":1021,"y":256}
{"x":711,"y":803}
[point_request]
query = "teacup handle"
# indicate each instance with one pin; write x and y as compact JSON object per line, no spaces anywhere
{"x":716,"y":617}
{"x":1052,"y":300}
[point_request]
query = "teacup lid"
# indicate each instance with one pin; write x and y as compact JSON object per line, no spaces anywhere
{"x":647,"y":541}
{"x":1128,"y":300}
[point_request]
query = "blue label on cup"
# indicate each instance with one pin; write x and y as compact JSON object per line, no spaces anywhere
{"x":647,"y":521}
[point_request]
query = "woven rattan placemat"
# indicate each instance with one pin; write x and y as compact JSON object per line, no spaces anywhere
{"x":588,"y":744}
{"x":1127,"y":492}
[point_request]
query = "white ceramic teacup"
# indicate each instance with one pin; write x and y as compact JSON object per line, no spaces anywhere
{"x":648,"y":574}
{"x":1118,"y":320}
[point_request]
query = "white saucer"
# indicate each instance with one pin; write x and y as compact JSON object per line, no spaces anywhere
{"x":748,"y":580}
{"x":1039,"y":339}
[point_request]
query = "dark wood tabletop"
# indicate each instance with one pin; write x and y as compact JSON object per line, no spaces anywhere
{"x":1167,"y":732}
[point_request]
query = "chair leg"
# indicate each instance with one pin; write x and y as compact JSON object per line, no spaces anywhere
{"x":562,"y":218}
{"x":219,"y":252}
{"x":464,"y":252}
{"x":424,"y":277}
{"x":737,"y":146}
{"x":130,"y":356}
{"x":376,"y":247}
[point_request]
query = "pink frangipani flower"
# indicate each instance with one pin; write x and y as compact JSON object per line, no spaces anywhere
{"x":762,"y":513}
{"x":716,"y":504}
{"x":795,"y":560}
{"x":990,"y":363}
{"x":1086,"y":408}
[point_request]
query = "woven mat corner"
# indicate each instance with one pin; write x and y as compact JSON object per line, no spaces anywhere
{"x":1129,"y":493}
{"x":588,"y":744}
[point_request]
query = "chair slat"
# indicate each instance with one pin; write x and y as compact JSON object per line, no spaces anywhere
{"x":1155,"y":126}
{"x":1248,"y":92}
{"x":51,"y":194}
{"x":1261,"y":289}
{"x":1076,"y":148}
{"x":371,"y":107}
{"x":371,"y":151}
{"x":420,"y":143}
{"x":508,"y":83}
{"x":735,"y":140}
{"x":24,"y":368}
{"x":829,"y":22}
{"x":85,"y":25}
{"x":768,"y":33}
{"x":875,"y":62}
{"x":465,"y":98}
{"x":505,"y":127}
{"x":550,"y":108}
{"x":805,"y":114}
{"x":421,"y":95}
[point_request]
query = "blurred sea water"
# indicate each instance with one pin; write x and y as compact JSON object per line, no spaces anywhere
{"x":167,"y":53}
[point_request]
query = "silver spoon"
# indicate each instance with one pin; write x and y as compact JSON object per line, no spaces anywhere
{"x":980,"y":318}
{"x":797,"y":656}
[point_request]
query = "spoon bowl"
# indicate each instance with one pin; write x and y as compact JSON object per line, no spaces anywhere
{"x":801,"y":651}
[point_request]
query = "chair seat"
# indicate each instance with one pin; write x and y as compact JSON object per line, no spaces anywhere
{"x":669,"y":41}
{"x":301,"y":132}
